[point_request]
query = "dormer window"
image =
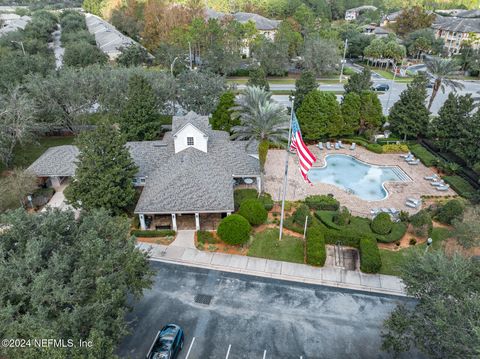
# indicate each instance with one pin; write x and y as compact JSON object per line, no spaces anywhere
{"x":190,"y":141}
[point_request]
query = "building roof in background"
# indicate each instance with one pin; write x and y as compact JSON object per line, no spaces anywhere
{"x":13,"y":22}
{"x":393,"y":16}
{"x":58,"y":161}
{"x":457,"y":24}
{"x":108,"y":38}
{"x":362,"y":8}
{"x":261,"y":22}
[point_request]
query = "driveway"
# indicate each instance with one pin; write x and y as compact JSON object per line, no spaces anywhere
{"x":251,"y":317}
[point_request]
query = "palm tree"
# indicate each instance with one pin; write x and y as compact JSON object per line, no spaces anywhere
{"x":442,"y":69}
{"x":261,"y":120}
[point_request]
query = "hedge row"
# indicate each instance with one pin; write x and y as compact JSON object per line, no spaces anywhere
{"x":460,"y":185}
{"x":394,"y":148}
{"x":316,"y":250}
{"x":424,"y":155}
{"x":322,"y":202}
{"x":327,"y":219}
{"x":150,"y":234}
{"x":370,"y":261}
{"x":397,"y":233}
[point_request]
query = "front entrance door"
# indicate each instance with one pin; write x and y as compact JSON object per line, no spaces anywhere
{"x":185,"y":221}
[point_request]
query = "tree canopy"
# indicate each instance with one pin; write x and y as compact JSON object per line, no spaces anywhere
{"x":67,"y":278}
{"x":359,"y":82}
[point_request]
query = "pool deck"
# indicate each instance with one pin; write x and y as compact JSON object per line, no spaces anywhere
{"x":398,"y":192}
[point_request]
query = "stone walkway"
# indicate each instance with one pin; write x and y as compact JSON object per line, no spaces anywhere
{"x":182,"y":251}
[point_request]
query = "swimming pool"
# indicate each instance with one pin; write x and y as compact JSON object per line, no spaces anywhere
{"x":359,"y":178}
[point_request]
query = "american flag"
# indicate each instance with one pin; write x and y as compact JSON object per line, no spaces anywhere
{"x":305,"y":156}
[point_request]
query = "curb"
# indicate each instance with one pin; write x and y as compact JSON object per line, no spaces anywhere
{"x":284,"y":277}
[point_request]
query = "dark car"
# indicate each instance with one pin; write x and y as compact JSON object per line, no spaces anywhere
{"x":381,"y":87}
{"x":167,"y":343}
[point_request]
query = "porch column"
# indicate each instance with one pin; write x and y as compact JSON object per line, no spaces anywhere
{"x":55,"y":182}
{"x":142,"y":221}
{"x":197,"y":221}
{"x":259,"y":184}
{"x":229,"y":213}
{"x":174,"y":222}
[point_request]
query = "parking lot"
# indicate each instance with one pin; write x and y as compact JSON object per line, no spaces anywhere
{"x":232,"y":316}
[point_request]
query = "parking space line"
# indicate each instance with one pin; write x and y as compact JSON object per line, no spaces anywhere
{"x":264,"y":353}
{"x":228,"y":351}
{"x":190,"y":348}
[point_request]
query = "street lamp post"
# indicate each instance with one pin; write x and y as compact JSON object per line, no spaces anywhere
{"x":173,"y":63}
{"x":343,"y":60}
{"x":429,"y":243}
{"x":21,"y":44}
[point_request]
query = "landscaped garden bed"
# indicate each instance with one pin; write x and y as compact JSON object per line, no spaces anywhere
{"x":154,"y":236}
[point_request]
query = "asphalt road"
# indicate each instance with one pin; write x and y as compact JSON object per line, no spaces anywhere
{"x":251,"y":317}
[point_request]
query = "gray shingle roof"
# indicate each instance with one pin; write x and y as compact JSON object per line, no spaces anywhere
{"x":261,"y":22}
{"x":13,"y":22}
{"x":200,"y":122}
{"x":469,"y":13}
{"x":457,"y":24}
{"x":56,"y":161}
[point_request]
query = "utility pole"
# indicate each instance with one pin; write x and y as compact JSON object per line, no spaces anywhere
{"x":392,"y":84}
{"x":343,"y":60}
{"x":173,"y":63}
{"x":190,"y":52}
{"x":21,"y":44}
{"x":282,"y":215}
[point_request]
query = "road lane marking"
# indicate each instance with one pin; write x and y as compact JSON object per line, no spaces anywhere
{"x":190,"y":348}
{"x":228,"y":351}
{"x":264,"y":353}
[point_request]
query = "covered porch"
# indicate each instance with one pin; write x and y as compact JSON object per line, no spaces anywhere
{"x":207,"y":221}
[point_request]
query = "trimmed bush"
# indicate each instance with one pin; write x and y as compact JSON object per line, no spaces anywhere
{"x":322,"y":202}
{"x":424,"y":155}
{"x":373,"y":147}
{"x":394,"y":148}
{"x":240,"y":195}
{"x":460,"y":185}
{"x":316,"y":251}
{"x":300,"y":214}
{"x":449,"y":211}
{"x":327,"y":217}
{"x":266,"y":199}
{"x":254,"y":211}
{"x":205,"y":237}
{"x":398,"y":231}
{"x":422,"y":223}
{"x":345,"y":237}
{"x":153,"y":234}
{"x":342,"y":218}
{"x":234,"y":229}
{"x":382,"y":224}
{"x":370,"y":261}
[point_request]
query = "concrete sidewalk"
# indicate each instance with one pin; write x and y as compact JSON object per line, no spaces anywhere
{"x":329,"y":276}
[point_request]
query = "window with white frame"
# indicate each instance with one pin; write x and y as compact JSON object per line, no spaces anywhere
{"x":190,"y":141}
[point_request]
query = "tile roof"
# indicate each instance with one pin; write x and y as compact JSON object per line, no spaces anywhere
{"x":56,"y":161}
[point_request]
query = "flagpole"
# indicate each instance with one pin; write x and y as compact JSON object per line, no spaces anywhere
{"x":282,"y":215}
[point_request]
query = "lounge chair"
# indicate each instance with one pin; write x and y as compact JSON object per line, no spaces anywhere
{"x":410,"y":204}
{"x":443,"y":188}
{"x":414,"y":200}
{"x":394,"y":211}
{"x":320,"y":146}
{"x":409,"y":154}
{"x":385,"y":210}
{"x":414,"y":162}
{"x":409,"y":158}
{"x":341,"y":144}
{"x":328,"y":145}
{"x":375,"y":211}
{"x":352,"y":147}
{"x":438,"y":183}
{"x":433,"y":177}
{"x":337,"y":146}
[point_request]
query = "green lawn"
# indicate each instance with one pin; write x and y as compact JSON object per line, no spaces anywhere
{"x":24,"y":156}
{"x":391,"y":261}
{"x":266,"y":245}
{"x":283,"y":80}
{"x":389,"y":75}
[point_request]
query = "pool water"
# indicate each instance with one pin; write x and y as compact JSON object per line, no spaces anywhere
{"x":356,"y":177}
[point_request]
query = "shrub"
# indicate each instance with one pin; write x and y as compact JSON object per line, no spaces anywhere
{"x":322,"y":202}
{"x":205,"y":237}
{"x":412,"y":241}
{"x":394,"y":148}
{"x":398,"y":231}
{"x":152,"y":234}
{"x":135,"y":222}
{"x":370,"y":261}
{"x":327,"y":218}
{"x":404,"y":216}
{"x":266,"y":199}
{"x":240,"y":195}
{"x":424,"y":155}
{"x":342,"y":218}
{"x":373,"y":147}
{"x":300,"y":214}
{"x":449,"y":211}
{"x":460,"y":185}
{"x":254,"y":211}
{"x":382,"y":224}
{"x":422,"y":223}
{"x":316,"y":251}
{"x":234,"y":229}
